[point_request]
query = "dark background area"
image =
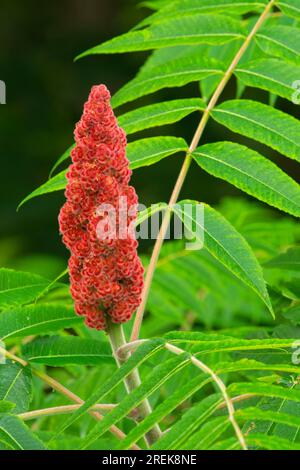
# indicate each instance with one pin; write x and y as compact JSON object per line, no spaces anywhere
{"x":46,"y":90}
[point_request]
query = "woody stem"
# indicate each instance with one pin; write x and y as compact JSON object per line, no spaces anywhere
{"x":132,"y":381}
{"x":62,"y":390}
{"x":185,"y":167}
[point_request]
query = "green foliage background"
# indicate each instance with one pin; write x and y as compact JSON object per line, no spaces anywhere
{"x":209,"y":307}
{"x":45,"y":93}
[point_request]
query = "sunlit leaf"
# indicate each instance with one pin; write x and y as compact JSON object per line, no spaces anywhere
{"x":263,"y":123}
{"x":197,"y":29}
{"x":249,"y":171}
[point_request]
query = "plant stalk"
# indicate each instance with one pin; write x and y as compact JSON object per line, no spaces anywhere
{"x":64,"y":391}
{"x":220,"y":384}
{"x":185,"y":167}
{"x":59,"y":410}
{"x":132,"y":381}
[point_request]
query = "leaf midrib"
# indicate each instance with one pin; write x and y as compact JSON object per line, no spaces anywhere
{"x":260,"y":75}
{"x":54,"y":356}
{"x":154,"y":155}
{"x":247,"y":174}
{"x":11,"y":437}
{"x":46,"y":322}
{"x":186,"y":72}
{"x":165,"y":38}
{"x":4,"y":291}
{"x":186,"y":108}
{"x":255,"y":122}
{"x":292,"y":7}
{"x":295,"y":51}
{"x":228,"y":5}
{"x":12,"y":384}
{"x":230,"y":256}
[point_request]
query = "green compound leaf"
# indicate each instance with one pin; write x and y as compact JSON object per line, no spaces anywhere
{"x":182,"y":8}
{"x":280,"y":41}
{"x":174,"y":73}
{"x":17,"y":435}
{"x":250,"y":172}
{"x":290,"y":8}
{"x":263,"y":123}
{"x":273,"y":75}
{"x":19,"y":288}
{"x":36,"y":319}
{"x":289,"y":261}
{"x":57,"y":183}
{"x":143,"y":353}
{"x":196,"y":29}
{"x":145,"y":152}
{"x":160,"y":374}
{"x":61,"y":159}
{"x":227,"y":245}
{"x":15,"y":385}
{"x":159,"y":114}
{"x":61,"y":351}
{"x":140,"y":153}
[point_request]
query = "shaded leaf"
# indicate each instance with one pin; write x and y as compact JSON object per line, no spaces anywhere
{"x":290,"y":260}
{"x":60,"y":351}
{"x":154,"y":4}
{"x":36,"y":319}
{"x":228,"y":246}
{"x":16,"y":435}
{"x":6,"y":406}
{"x":15,"y":385}
{"x":56,"y":183}
{"x":18,"y":288}
{"x":62,"y":158}
{"x":290,"y":8}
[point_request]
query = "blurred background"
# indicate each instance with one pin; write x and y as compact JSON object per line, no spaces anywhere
{"x":46,"y":90}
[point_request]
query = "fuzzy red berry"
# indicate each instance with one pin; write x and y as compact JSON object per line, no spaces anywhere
{"x":106,"y":273}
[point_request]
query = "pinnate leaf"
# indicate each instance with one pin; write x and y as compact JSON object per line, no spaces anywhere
{"x":196,"y":29}
{"x":252,"y":173}
{"x":227,"y":245}
{"x":36,"y":319}
{"x":18,"y":288}
{"x":263,"y":123}
{"x":60,"y":351}
{"x":159,"y":114}
{"x":273,"y":75}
